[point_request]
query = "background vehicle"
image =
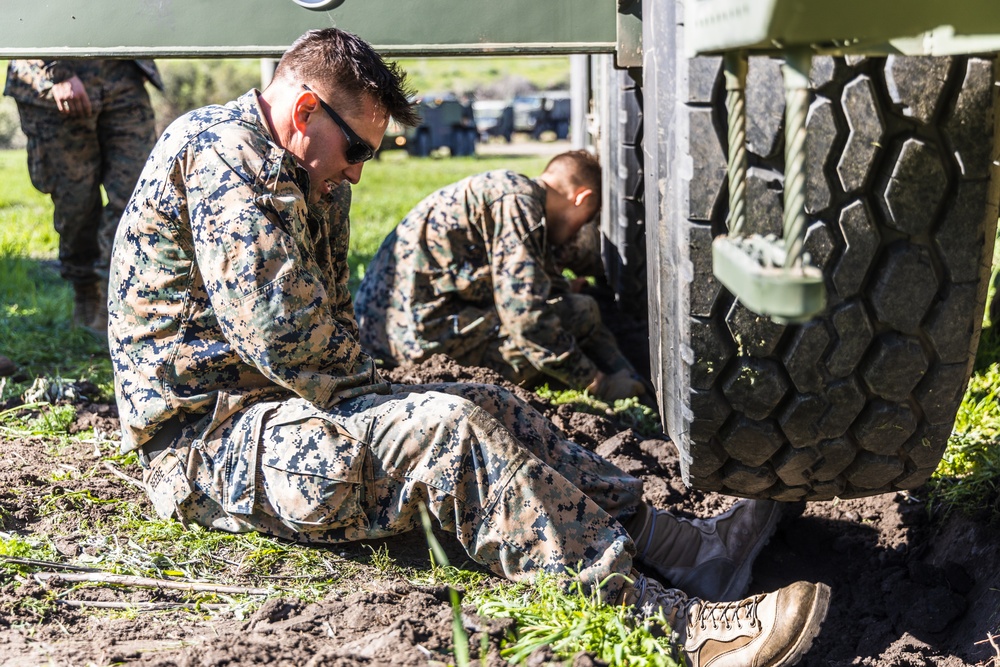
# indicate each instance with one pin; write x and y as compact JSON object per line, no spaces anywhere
{"x":900,"y":190}
{"x":552,"y":115}
{"x":494,"y":118}
{"x":447,"y":122}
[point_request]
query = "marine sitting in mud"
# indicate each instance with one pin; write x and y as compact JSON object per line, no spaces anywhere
{"x":240,"y":381}
{"x":470,"y":273}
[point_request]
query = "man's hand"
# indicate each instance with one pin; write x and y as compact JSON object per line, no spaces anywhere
{"x":71,"y":97}
{"x":577,"y":284}
{"x":622,"y":384}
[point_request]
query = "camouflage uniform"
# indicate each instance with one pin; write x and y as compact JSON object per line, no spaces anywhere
{"x":70,"y":158}
{"x":235,"y":351}
{"x":469,"y":273}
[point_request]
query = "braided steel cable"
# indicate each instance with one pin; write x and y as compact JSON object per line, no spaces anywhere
{"x":796,"y":75}
{"x":736,"y":167}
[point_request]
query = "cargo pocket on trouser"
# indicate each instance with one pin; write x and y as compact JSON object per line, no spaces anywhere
{"x":40,"y":136}
{"x":167,"y":483}
{"x":313,"y":473}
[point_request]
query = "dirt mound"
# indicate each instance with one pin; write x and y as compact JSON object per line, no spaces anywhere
{"x":907,"y":590}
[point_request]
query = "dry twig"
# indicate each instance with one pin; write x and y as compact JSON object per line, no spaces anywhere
{"x":128,"y":478}
{"x":138,"y":606}
{"x":47,"y":563}
{"x":992,"y":639}
{"x":148,"y":582}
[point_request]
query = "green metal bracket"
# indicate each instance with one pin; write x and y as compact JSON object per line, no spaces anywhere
{"x":769,"y":276}
{"x":628,"y":50}
{"x":752,"y":267}
{"x":872,"y":27}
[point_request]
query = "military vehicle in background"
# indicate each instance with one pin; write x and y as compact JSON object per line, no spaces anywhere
{"x":811,"y":240}
{"x":446,"y":122}
{"x":494,"y":118}
{"x":552,"y":115}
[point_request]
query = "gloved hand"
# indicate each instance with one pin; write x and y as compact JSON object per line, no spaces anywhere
{"x":622,"y":384}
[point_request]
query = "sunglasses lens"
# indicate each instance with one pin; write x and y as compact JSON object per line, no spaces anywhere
{"x":359,"y":153}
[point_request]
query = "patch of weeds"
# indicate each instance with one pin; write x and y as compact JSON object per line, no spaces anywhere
{"x":60,"y":499}
{"x":31,"y":548}
{"x":968,"y":477}
{"x":556,"y":612}
{"x":152,"y":547}
{"x":643,"y":419}
{"x":569,"y":620}
{"x":38,"y":419}
{"x":381,"y":560}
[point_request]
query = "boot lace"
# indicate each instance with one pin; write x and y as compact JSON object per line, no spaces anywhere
{"x":722,"y":614}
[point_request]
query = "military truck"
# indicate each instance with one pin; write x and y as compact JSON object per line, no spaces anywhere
{"x":445,"y":122}
{"x":494,"y":118}
{"x":802,"y":196}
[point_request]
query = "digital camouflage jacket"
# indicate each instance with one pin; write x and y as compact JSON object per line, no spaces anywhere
{"x":226,"y":287}
{"x":468,"y":265}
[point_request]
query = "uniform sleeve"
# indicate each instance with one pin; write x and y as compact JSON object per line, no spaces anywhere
{"x":60,"y":70}
{"x":37,"y":75}
{"x":253,"y":248}
{"x":522,"y":288}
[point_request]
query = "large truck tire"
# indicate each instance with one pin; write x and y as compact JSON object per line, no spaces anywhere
{"x":623,"y":210}
{"x":902,"y":199}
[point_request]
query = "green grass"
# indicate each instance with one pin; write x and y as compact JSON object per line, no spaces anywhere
{"x":968,"y":477}
{"x":462,"y":75}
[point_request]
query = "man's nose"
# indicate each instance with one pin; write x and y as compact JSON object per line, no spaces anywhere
{"x":353,"y":173}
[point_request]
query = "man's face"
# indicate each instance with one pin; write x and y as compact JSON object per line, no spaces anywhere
{"x":321,"y":144}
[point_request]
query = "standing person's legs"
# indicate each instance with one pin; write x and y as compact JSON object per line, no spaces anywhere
{"x":64,"y":161}
{"x":126,"y":132}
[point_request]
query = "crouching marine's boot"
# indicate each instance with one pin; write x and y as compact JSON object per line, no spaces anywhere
{"x":708,"y":558}
{"x":86,"y":299}
{"x":770,"y":630}
{"x":99,"y":322}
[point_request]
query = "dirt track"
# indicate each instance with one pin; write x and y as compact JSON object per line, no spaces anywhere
{"x":907,"y":590}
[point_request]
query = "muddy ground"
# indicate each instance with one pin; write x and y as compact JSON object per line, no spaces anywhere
{"x":908,"y":588}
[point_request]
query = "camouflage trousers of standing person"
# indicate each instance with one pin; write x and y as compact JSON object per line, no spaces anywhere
{"x":520,"y":498}
{"x":580,"y":315}
{"x":72,"y":158}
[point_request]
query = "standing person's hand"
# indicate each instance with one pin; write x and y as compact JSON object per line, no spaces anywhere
{"x":71,"y":97}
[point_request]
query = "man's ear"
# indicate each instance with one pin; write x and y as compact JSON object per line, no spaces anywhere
{"x":581,"y":194}
{"x":303,"y":108}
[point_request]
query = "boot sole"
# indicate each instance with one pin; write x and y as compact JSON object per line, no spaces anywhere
{"x":817,"y":614}
{"x":740,"y":583}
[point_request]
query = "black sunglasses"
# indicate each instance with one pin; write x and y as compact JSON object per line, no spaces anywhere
{"x":358,"y":149}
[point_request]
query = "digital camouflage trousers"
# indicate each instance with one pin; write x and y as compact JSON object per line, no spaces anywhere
{"x":72,"y":158}
{"x":519,"y":497}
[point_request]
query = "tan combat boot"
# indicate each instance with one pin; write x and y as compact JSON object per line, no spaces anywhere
{"x":770,"y":630}
{"x":709,"y":558}
{"x":86,"y":298}
{"x":99,"y":322}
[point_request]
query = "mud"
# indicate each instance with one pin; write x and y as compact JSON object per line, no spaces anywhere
{"x":909,"y":589}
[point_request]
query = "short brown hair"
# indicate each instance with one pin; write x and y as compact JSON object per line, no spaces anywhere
{"x":581,"y":168}
{"x":340,"y":62}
